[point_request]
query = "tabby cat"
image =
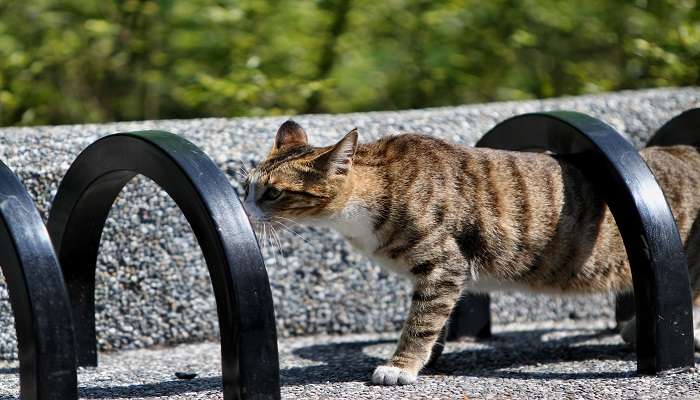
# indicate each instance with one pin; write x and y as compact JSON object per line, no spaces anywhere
{"x":451,"y":218}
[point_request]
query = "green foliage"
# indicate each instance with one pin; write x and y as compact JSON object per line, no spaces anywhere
{"x":69,"y":61}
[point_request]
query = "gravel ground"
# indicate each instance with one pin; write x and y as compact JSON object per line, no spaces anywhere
{"x":541,"y":360}
{"x":152,"y":284}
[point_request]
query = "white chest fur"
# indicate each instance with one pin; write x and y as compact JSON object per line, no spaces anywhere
{"x":357,"y":225}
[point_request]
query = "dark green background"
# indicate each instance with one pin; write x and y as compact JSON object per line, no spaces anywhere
{"x":69,"y":61}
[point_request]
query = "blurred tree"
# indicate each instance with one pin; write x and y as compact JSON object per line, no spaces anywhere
{"x":70,"y":61}
{"x":328,"y":54}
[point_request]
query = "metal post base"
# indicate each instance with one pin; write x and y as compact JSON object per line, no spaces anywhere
{"x":471,"y":317}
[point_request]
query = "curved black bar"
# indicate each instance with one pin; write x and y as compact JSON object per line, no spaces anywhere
{"x":38,"y":296}
{"x":654,"y":248}
{"x":681,"y":129}
{"x":250,"y":365}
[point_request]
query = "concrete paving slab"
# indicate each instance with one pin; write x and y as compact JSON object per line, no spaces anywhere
{"x":567,"y":359}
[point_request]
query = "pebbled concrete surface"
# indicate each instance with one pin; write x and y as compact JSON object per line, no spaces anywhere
{"x":541,"y":360}
{"x":152,"y":284}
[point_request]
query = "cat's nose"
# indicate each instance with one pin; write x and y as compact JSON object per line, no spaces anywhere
{"x":244,"y":203}
{"x":251,"y":211}
{"x":247,"y":210}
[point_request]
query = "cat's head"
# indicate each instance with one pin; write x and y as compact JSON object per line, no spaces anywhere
{"x":299,"y":181}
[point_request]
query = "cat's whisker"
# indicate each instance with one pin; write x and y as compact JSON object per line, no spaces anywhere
{"x":256,"y":229}
{"x":267,"y":234}
{"x":264,"y":226}
{"x":273,"y":230}
{"x":242,"y":172}
{"x":289,"y":220}
{"x":279,"y":243}
{"x":269,"y":239}
{"x":261,"y":231}
{"x":242,"y":175}
{"x":286,"y":228}
{"x":271,"y":242}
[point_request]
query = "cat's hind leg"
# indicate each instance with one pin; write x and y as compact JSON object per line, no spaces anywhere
{"x":438,"y":285}
{"x":629,"y":331}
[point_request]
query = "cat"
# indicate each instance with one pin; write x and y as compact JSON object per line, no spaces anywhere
{"x":453,"y":218}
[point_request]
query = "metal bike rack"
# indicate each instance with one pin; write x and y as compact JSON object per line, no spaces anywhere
{"x":46,"y":310}
{"x":649,"y":232}
{"x":250,"y":365}
{"x":38,"y":297}
{"x":681,"y":129}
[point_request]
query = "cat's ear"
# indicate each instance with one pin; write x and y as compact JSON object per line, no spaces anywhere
{"x":290,"y":133}
{"x":338,"y":159}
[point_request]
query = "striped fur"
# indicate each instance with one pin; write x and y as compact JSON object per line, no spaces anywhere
{"x":451,"y":217}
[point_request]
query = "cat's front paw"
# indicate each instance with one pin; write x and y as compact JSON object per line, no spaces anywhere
{"x":390,"y":376}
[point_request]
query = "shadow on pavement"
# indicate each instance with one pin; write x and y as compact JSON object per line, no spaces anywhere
{"x":498,"y":357}
{"x":346,"y":362}
{"x":169,"y":388}
{"x":343,"y":362}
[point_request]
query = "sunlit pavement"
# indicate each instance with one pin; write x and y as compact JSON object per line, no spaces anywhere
{"x":557,"y":360}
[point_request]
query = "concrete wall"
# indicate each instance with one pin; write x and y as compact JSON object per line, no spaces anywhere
{"x":152,"y":284}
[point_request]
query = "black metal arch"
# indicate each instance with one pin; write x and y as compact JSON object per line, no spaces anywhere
{"x":250,"y":365}
{"x":684,"y":128}
{"x":681,"y":129}
{"x":654,"y":248}
{"x":38,"y":297}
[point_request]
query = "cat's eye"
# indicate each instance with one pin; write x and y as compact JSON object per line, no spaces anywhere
{"x":271,"y":194}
